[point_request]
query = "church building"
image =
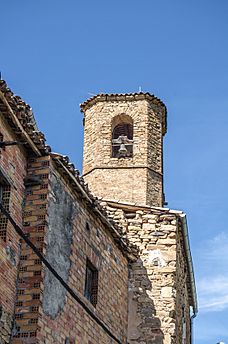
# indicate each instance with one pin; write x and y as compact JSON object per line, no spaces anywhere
{"x":97,"y":258}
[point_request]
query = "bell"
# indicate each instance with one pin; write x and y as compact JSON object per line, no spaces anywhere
{"x":123,"y":149}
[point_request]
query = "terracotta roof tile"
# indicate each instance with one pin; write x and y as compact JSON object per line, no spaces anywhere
{"x":25,"y":116}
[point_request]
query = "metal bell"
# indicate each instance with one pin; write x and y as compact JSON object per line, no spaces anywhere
{"x":123,"y":149}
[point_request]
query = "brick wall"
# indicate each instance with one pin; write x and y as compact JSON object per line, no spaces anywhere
{"x":13,"y":171}
{"x":29,"y":292}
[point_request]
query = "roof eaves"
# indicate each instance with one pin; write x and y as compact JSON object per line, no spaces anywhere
{"x":20,"y":117}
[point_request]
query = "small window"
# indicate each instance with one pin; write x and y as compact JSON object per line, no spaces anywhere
{"x":91,"y":283}
{"x":4,"y":199}
{"x":69,"y":341}
{"x":87,"y":227}
{"x":1,"y":140}
{"x":122,"y":140}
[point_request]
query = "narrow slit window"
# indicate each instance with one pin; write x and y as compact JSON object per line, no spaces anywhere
{"x":1,"y":140}
{"x":4,"y":199}
{"x":87,"y":227}
{"x":91,"y":283}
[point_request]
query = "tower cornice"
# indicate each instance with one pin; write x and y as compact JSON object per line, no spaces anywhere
{"x":102,"y":97}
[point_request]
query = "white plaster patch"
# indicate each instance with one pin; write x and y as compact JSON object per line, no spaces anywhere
{"x":166,"y":292}
{"x":155,"y":258}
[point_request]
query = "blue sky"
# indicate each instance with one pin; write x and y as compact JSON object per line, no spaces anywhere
{"x":56,"y":53}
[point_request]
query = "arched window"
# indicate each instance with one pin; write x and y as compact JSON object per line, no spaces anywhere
{"x":122,"y":137}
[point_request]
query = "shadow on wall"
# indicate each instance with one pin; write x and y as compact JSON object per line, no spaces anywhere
{"x":143,"y":324}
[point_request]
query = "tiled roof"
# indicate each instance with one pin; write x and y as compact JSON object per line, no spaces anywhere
{"x":20,"y":116}
{"x":126,"y":97}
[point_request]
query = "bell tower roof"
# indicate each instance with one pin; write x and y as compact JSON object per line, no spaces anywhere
{"x":102,"y":97}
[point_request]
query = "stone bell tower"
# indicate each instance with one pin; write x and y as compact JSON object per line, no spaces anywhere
{"x":123,"y":147}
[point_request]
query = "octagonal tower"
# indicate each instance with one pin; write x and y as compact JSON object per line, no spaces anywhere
{"x":123,"y":147}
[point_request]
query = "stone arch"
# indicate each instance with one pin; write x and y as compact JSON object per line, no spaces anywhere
{"x":122,"y":136}
{"x":122,"y":118}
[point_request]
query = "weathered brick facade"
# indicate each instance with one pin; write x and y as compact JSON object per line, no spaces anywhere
{"x":84,"y":237}
{"x":12,"y":173}
{"x":29,"y":292}
{"x":104,"y":271}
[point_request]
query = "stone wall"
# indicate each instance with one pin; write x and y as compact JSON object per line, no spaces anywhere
{"x":154,"y":138}
{"x":120,"y":184}
{"x":158,"y":279}
{"x":132,"y":179}
{"x":154,"y":189}
{"x":12,"y":172}
{"x":5,"y":326}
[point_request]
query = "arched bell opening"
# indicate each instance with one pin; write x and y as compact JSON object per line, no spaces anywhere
{"x":122,"y":137}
